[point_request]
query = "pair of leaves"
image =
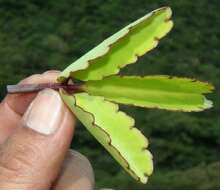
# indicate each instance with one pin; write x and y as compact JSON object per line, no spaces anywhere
{"x":95,"y":108}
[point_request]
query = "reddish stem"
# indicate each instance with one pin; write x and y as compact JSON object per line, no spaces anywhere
{"x":27,"y":88}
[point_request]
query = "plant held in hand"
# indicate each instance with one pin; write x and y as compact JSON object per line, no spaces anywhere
{"x":94,"y":100}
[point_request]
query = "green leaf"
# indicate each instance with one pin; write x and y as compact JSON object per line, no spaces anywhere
{"x":115,"y":131}
{"x":122,"y":48}
{"x":163,"y":92}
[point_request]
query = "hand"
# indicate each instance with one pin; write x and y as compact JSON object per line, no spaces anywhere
{"x":35,"y":134}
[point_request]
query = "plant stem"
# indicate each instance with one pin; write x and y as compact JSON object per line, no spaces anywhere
{"x":28,"y":88}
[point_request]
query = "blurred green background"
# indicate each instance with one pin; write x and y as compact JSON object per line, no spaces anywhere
{"x":38,"y":35}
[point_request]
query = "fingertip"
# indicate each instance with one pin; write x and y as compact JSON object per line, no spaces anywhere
{"x":77,"y":173}
{"x":30,"y":79}
{"x":48,"y":76}
{"x":52,"y":71}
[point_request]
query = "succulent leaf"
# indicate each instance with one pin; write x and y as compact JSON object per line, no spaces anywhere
{"x":164,"y":92}
{"x":122,"y":48}
{"x":115,"y":131}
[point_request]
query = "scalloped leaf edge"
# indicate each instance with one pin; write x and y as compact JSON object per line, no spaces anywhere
{"x":65,"y":76}
{"x":207,"y":103}
{"x":132,"y":128}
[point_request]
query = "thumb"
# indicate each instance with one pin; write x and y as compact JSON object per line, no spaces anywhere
{"x":32,"y":157}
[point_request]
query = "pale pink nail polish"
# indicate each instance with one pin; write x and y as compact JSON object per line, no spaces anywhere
{"x":45,"y":113}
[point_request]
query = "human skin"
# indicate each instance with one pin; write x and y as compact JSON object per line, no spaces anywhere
{"x":36,"y":130}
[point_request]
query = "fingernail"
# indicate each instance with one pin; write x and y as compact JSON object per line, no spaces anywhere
{"x":45,"y":113}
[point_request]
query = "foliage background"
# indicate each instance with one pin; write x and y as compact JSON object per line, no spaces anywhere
{"x":37,"y":35}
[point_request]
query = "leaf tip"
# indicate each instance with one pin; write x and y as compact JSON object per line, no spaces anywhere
{"x":208,"y":104}
{"x":144,"y":180}
{"x":167,"y":10}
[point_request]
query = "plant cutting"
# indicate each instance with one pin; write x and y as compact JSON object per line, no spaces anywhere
{"x":92,"y":88}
